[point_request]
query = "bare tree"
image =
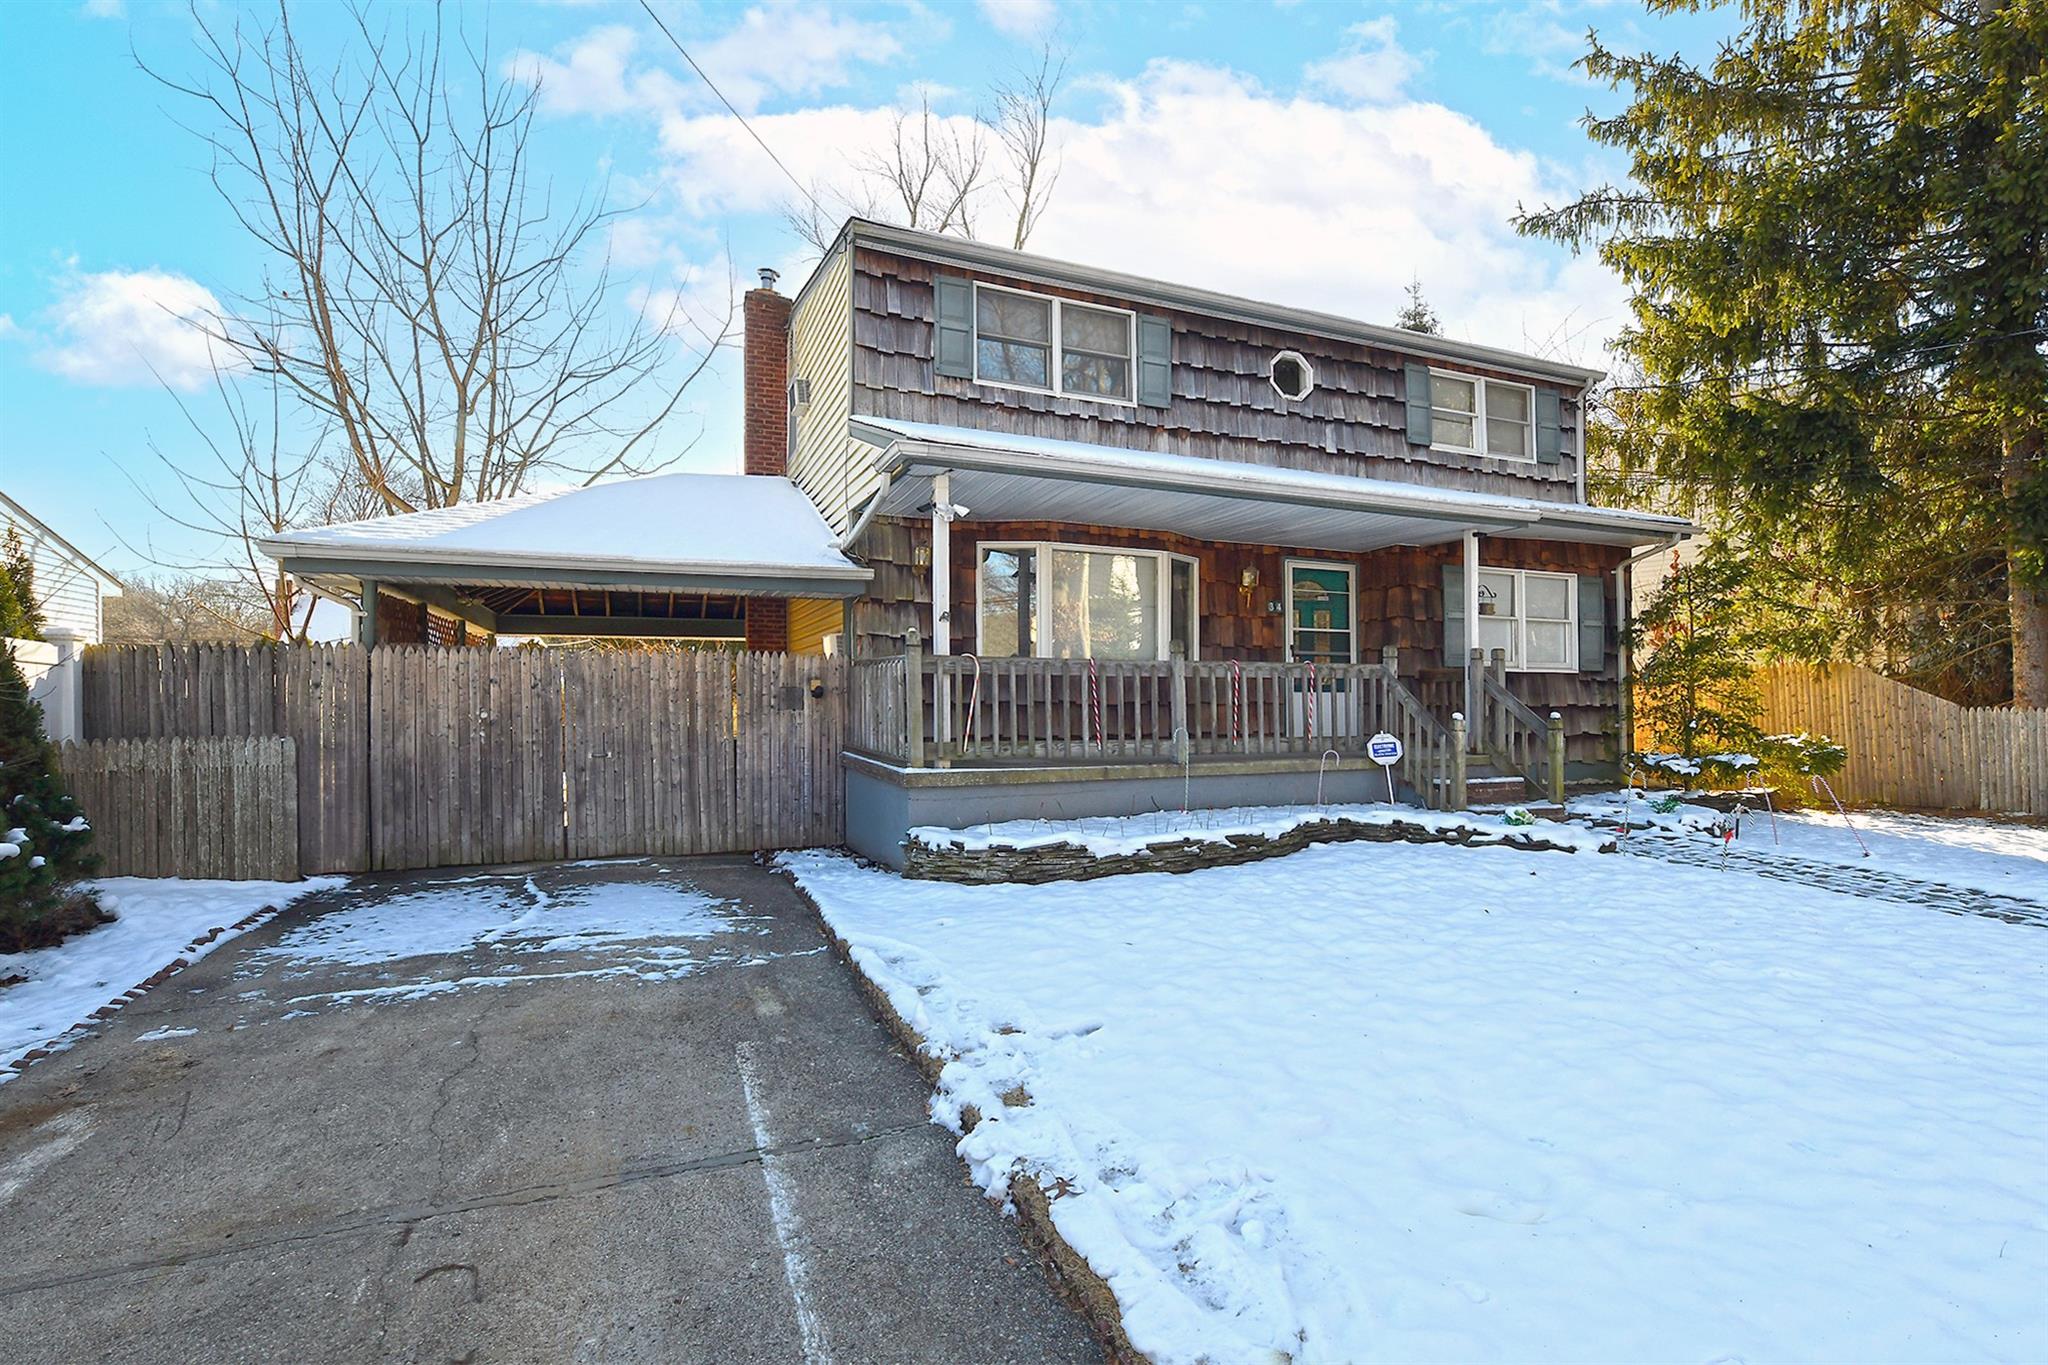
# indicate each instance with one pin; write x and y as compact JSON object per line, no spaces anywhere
{"x":937,"y":173}
{"x":184,"y":609}
{"x":424,"y":295}
{"x":1023,"y":122}
{"x":265,"y":468}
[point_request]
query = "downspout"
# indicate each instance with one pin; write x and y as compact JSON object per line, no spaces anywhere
{"x":867,"y":514}
{"x":1624,"y":617}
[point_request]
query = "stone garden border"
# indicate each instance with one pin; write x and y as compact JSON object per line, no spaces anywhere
{"x":1036,"y":864}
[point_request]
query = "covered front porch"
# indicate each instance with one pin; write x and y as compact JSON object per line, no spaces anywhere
{"x":1049,"y":605}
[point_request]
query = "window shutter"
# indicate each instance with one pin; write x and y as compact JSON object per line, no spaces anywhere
{"x":1592,"y":623}
{"x":1454,"y":616}
{"x":1155,"y":362}
{"x":1418,"y":404}
{"x":1549,"y":428}
{"x":953,"y":348}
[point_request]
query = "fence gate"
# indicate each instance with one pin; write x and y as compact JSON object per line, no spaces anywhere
{"x":701,"y":752}
{"x":465,"y":756}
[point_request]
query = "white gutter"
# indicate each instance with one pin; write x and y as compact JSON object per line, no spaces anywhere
{"x":282,"y":547}
{"x":867,"y":514}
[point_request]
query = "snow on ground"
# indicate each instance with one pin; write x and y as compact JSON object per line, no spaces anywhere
{"x":514,"y":929}
{"x":1106,"y":836}
{"x":1986,"y":855}
{"x":1400,"y":1102}
{"x":160,"y":921}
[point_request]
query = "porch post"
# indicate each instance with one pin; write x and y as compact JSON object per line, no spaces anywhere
{"x":942,"y":563}
{"x":1471,"y":623}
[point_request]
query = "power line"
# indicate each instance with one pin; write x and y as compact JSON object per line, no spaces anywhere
{"x":802,"y":188}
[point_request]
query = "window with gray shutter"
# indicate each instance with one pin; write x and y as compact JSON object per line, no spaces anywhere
{"x":1549,"y":428}
{"x":1592,"y":622}
{"x":953,"y":347}
{"x":1155,"y":362}
{"x":1417,"y":396}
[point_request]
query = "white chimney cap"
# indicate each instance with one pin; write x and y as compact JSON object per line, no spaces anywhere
{"x":769,"y":277}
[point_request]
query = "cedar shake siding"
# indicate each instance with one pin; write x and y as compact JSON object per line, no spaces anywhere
{"x":1221,"y":404}
{"x":1400,"y":602}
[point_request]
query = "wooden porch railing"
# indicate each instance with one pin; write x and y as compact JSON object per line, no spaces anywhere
{"x":1080,"y":711}
{"x":1511,"y":733}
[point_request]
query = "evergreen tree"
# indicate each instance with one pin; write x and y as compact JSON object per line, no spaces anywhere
{"x":1694,"y":688}
{"x":1837,"y":240}
{"x":44,"y":838}
{"x":1416,"y":315}
{"x":20,"y":617}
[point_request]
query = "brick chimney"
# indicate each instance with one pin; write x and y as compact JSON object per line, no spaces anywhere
{"x":765,"y":438}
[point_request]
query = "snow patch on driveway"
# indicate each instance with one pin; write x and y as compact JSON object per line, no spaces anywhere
{"x":1393,"y":1102}
{"x":648,"y":931}
{"x":160,"y":921}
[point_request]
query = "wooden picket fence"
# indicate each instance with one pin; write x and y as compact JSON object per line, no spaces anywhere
{"x":190,"y":807}
{"x":1911,"y":748}
{"x":411,"y":756}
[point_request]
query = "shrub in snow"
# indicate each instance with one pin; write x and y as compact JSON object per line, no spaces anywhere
{"x":45,"y":846}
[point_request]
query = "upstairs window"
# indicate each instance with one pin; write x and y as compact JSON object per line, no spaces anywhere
{"x":1474,"y":416}
{"x":1030,"y":341}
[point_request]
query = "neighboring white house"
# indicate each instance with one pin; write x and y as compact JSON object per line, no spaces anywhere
{"x":70,"y":588}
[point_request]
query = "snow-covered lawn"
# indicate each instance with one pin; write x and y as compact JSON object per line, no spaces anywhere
{"x":1397,"y":1102}
{"x":1988,"y":855}
{"x":160,"y":921}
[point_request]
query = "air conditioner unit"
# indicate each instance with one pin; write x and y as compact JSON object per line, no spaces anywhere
{"x":799,"y":394}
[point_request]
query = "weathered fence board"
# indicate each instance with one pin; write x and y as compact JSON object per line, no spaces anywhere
{"x":412,"y":756}
{"x":315,"y":695}
{"x":465,"y":757}
{"x":226,"y":807}
{"x":1911,"y":748}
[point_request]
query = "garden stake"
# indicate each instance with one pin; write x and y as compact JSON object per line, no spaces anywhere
{"x":1771,"y":811}
{"x":1323,"y":762}
{"x":1819,"y":782}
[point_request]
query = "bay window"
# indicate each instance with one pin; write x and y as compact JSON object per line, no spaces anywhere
{"x":1034,"y":341}
{"x":1051,"y":601}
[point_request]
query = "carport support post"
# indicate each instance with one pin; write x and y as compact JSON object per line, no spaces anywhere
{"x":366,"y":621}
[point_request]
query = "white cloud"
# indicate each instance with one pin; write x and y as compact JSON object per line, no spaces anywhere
{"x":795,"y":51}
{"x":1371,"y":67}
{"x":130,"y":328}
{"x":104,"y":9}
{"x":1199,"y":175}
{"x":9,"y":328}
{"x":1019,"y":18}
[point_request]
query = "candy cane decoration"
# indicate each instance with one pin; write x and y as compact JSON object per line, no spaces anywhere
{"x":1095,"y":699}
{"x":1311,"y":698}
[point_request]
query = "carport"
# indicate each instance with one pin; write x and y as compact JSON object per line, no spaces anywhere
{"x":732,"y":559}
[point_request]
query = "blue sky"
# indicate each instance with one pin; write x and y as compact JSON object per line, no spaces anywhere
{"x":1312,"y":153}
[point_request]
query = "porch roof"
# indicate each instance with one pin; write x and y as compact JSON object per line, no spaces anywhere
{"x":747,"y":535}
{"x":1004,"y":476}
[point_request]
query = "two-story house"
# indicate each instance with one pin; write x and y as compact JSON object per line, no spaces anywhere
{"x":1048,"y":465}
{"x":1094,"y":544}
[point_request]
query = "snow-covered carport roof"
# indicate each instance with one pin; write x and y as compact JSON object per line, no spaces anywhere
{"x":630,"y":543}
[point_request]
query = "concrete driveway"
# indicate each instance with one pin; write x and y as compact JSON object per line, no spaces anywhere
{"x":530,"y":1139}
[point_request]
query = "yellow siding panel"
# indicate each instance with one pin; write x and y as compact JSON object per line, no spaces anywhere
{"x":810,"y":621}
{"x":821,"y":351}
